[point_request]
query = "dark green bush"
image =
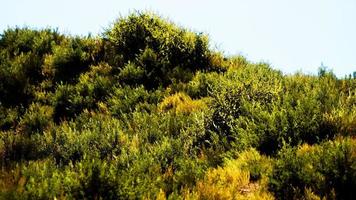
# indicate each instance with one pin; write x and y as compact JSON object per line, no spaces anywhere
{"x":36,"y":119}
{"x":132,"y":75}
{"x":158,"y":47}
{"x":16,"y":147}
{"x":70,"y":58}
{"x":22,"y":55}
{"x":93,"y":87}
{"x":8,"y":117}
{"x":15,"y":88}
{"x":26,"y":40}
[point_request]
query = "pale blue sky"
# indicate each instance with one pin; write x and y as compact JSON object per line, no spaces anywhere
{"x":291,"y":35}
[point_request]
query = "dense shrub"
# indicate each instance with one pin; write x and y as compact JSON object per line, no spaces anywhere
{"x":236,"y":179}
{"x":158,"y":46}
{"x":93,"y":87}
{"x":36,"y":119}
{"x":22,"y":56}
{"x":8,"y":117}
{"x":17,"y":147}
{"x":148,"y":111}
{"x":71,"y":57}
{"x":181,"y":103}
{"x":25,"y":40}
{"x":15,"y":88}
{"x":127,"y":99}
{"x":268,"y":111}
{"x":202,"y":83}
{"x":328,"y":170}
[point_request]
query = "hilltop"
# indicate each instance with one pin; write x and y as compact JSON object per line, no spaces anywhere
{"x":148,"y":110}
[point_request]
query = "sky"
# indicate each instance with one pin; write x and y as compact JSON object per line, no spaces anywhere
{"x":290,"y":35}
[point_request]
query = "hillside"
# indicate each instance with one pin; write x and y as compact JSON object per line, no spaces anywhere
{"x":148,"y":110}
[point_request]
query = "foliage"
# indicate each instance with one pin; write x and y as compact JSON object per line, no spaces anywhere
{"x":148,"y":110}
{"x":158,"y":47}
{"x":236,"y":179}
{"x":181,"y":103}
{"x":36,"y":119}
{"x":328,"y":170}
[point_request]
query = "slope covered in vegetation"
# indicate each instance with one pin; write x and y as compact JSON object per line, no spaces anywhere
{"x":148,"y":110}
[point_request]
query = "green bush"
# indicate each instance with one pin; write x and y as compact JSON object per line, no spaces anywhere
{"x":17,"y":147}
{"x":158,"y":46}
{"x":237,"y":179}
{"x":147,"y":110}
{"x":8,"y":117}
{"x":26,"y":40}
{"x":202,"y":83}
{"x":69,"y":59}
{"x":328,"y":170}
{"x":266,"y":112}
{"x":93,"y":87}
{"x":22,"y":55}
{"x":36,"y":119}
{"x":15,"y":88}
{"x":132,"y":75}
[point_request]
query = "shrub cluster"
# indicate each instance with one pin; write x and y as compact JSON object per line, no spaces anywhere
{"x":149,"y":111}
